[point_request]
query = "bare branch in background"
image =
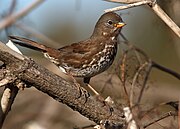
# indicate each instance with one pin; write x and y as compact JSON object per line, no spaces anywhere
{"x":172,"y":25}
{"x":155,"y":7}
{"x":143,"y":63}
{"x":122,"y":7}
{"x":160,"y":118}
{"x":135,"y":68}
{"x":144,"y":83}
{"x":134,"y":82}
{"x":10,"y":19}
{"x":164,"y":69}
{"x":12,"y":7}
{"x":124,"y":1}
{"x":34,"y":33}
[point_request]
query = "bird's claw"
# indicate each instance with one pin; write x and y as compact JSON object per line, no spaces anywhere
{"x":83,"y":92}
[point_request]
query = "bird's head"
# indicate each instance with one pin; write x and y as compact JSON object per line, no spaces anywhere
{"x":109,"y":24}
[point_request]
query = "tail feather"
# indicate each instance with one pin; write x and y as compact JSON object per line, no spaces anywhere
{"x":28,"y":43}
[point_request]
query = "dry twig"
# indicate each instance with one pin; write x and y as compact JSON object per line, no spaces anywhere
{"x":155,"y":7}
{"x":160,"y":118}
{"x":124,"y":1}
{"x":144,"y":2}
{"x":134,"y":81}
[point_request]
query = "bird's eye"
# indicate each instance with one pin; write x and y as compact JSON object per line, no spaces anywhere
{"x":110,"y":22}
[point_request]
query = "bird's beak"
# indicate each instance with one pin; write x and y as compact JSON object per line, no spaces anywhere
{"x":119,"y":25}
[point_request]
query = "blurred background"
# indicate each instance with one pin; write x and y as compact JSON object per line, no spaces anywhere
{"x":58,"y":23}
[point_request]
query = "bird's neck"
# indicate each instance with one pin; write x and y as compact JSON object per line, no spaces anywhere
{"x":102,"y":41}
{"x":104,"y":36}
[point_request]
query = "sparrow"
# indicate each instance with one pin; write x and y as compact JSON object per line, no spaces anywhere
{"x":86,"y":58}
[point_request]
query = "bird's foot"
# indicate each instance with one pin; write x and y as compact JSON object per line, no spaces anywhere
{"x":82,"y":92}
{"x":108,"y":103}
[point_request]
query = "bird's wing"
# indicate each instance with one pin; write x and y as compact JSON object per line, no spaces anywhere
{"x":77,"y":54}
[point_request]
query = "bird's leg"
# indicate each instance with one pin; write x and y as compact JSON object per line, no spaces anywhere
{"x":86,"y":81}
{"x":100,"y":98}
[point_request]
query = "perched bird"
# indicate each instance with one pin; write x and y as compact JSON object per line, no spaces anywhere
{"x":86,"y":58}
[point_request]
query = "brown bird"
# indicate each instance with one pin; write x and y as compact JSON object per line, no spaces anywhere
{"x":86,"y":58}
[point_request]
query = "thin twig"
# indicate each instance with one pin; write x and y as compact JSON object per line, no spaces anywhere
{"x":134,"y":81}
{"x":128,"y":6}
{"x":162,"y":68}
{"x":12,"y":7}
{"x":161,"y":118}
{"x":11,"y":10}
{"x":9,"y":20}
{"x":144,"y":83}
{"x":123,"y":73}
{"x":154,"y":64}
{"x":124,"y":1}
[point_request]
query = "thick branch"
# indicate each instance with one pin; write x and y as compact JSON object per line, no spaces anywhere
{"x":33,"y":74}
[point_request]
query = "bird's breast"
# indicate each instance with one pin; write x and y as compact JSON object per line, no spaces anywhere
{"x":101,"y":61}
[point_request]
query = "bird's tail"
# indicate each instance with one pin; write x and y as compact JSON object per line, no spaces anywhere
{"x":28,"y":43}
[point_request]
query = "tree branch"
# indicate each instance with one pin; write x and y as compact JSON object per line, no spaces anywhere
{"x":68,"y":93}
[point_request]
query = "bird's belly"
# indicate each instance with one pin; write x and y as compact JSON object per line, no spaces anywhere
{"x":90,"y":70}
{"x":97,"y":68}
